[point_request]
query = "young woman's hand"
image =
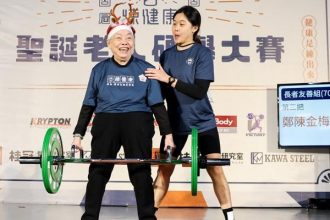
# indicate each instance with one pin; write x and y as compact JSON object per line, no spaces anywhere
{"x":169,"y":142}
{"x":157,"y":73}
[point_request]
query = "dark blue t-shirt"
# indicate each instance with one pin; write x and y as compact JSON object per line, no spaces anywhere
{"x":187,"y":65}
{"x":113,"y":88}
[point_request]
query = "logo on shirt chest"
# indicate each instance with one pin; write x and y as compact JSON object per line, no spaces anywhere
{"x":120,"y":80}
{"x":142,"y":78}
{"x":190,"y":61}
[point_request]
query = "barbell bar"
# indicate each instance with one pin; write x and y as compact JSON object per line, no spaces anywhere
{"x":52,"y":160}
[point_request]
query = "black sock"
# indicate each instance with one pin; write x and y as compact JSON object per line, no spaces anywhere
{"x":228,"y":213}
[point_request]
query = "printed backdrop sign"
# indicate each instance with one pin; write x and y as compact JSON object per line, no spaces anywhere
{"x":48,"y":48}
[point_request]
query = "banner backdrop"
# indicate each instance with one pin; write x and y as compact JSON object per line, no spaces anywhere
{"x":48,"y":48}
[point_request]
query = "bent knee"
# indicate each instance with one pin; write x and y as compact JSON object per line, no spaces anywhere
{"x":165,"y":172}
{"x":215,"y":171}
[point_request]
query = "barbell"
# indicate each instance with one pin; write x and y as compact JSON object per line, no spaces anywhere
{"x":52,"y":160}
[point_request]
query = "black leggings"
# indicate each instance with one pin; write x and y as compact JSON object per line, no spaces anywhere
{"x":110,"y":131}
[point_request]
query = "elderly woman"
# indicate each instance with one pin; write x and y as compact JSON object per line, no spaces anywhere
{"x":124,"y":102}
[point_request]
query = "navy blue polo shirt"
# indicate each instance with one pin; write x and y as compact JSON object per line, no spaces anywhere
{"x":113,"y":88}
{"x":187,"y":65}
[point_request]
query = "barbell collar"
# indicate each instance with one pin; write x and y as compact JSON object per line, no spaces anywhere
{"x":217,"y":162}
{"x":29,"y":160}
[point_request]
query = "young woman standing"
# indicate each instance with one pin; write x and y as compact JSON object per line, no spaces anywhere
{"x":186,"y":72}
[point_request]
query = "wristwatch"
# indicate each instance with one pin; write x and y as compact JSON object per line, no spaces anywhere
{"x":171,"y":80}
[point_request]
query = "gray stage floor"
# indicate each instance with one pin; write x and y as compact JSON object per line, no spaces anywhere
{"x":68,"y":212}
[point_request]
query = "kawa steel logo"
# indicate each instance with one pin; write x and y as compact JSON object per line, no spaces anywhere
{"x":262,"y":158}
{"x":226,"y":123}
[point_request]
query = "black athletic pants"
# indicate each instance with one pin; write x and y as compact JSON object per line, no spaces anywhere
{"x":110,"y":131}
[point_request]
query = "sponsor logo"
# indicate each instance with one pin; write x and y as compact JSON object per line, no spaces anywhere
{"x":255,"y":127}
{"x":235,"y":157}
{"x":14,"y":155}
{"x":226,"y":123}
{"x":262,"y":158}
{"x":324,"y":177}
{"x":120,"y":80}
{"x":257,"y":158}
{"x":54,"y":122}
